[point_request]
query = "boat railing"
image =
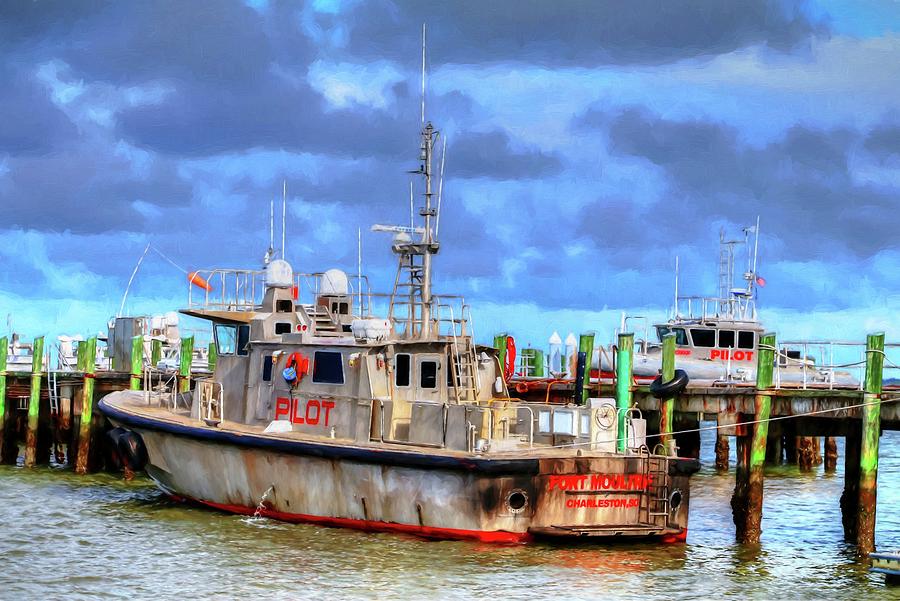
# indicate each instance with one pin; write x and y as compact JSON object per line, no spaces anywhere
{"x":741,"y":308}
{"x":309,"y":286}
{"x":826,"y":363}
{"x":227,"y":289}
{"x":161,"y":388}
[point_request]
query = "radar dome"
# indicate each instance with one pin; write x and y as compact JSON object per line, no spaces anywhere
{"x":279,"y":274}
{"x":334,"y":282}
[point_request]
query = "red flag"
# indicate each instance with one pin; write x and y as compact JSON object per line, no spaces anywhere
{"x":760,"y":280}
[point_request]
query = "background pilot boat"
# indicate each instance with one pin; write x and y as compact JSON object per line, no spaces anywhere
{"x":717,"y":338}
{"x":319,"y":412}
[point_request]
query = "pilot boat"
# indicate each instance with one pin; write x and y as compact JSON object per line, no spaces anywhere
{"x":320,"y":412}
{"x":717,"y":338}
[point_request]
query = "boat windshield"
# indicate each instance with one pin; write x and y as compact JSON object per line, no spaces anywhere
{"x":680,"y":334}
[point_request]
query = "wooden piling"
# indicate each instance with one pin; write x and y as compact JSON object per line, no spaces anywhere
{"x":667,"y":406}
{"x":212,"y":356}
{"x":85,"y":429}
{"x":749,"y":493}
{"x":499,"y":346}
{"x":184,"y":363}
{"x":8,"y":448}
{"x":34,"y":403}
{"x":831,"y":454}
{"x":871,"y":431}
{"x":722,"y":451}
{"x":137,"y":361}
{"x":774,"y":449}
{"x":624,"y":357}
{"x":850,"y":496}
{"x":806,"y":453}
{"x":586,"y":346}
{"x":156,"y":352}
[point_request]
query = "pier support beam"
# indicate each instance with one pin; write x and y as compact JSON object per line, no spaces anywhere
{"x":624,"y":377}
{"x":85,"y":427}
{"x":34,"y":404}
{"x":137,"y":361}
{"x":850,"y":496}
{"x":831,"y":454}
{"x":667,"y":406}
{"x":722,"y":451}
{"x":806,"y":453}
{"x":748,"y":491}
{"x":187,"y":355}
{"x":8,"y":448}
{"x":775,"y":449}
{"x":871,"y":431}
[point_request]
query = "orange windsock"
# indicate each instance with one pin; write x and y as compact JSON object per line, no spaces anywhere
{"x":195,"y":279}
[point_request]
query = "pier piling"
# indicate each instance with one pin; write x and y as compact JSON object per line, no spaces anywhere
{"x":8,"y":447}
{"x":871,"y":431}
{"x":212,"y":356}
{"x":624,"y":357}
{"x":831,"y":454}
{"x":850,"y":496}
{"x":806,"y":453}
{"x":85,"y":428}
{"x":667,"y":406}
{"x":586,"y":346}
{"x":34,"y":404}
{"x":137,"y":361}
{"x":748,"y":493}
{"x":723,"y":448}
{"x":184,"y":363}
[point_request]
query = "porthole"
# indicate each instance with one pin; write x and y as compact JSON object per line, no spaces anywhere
{"x":517,"y":501}
{"x":675,"y":500}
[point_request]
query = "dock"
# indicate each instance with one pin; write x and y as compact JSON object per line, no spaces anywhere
{"x":766,"y":420}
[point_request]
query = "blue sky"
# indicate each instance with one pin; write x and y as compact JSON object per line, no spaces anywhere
{"x":588,"y":145}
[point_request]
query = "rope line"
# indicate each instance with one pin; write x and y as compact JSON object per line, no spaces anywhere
{"x":893,"y":399}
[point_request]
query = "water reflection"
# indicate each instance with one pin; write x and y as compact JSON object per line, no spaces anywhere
{"x":100,"y":537}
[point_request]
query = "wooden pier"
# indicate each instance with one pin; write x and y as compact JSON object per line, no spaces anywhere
{"x":51,"y":415}
{"x":765,"y":422}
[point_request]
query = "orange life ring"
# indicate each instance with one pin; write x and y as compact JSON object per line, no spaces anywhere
{"x":300,"y":363}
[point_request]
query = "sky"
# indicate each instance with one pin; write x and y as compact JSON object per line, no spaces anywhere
{"x":588,"y":145}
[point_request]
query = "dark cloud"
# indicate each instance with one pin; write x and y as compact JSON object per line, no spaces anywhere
{"x":30,"y":123}
{"x":575,"y":32}
{"x":800,"y":184}
{"x":884,"y":141}
{"x":492,"y":155}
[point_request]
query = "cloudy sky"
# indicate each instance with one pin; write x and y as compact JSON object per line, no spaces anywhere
{"x":588,"y":144}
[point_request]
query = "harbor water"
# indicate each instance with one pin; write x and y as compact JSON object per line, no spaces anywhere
{"x":97,"y":537}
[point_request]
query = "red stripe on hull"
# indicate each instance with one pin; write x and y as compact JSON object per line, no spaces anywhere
{"x":485,"y":536}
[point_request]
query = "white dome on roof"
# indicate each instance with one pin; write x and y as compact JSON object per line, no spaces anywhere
{"x":279,"y":274}
{"x":334,"y":281}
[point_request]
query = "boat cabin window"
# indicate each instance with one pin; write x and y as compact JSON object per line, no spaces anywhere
{"x":243,"y":338}
{"x":402,"y":368}
{"x":284,"y":306}
{"x":267,"y":368}
{"x":726,"y":338}
{"x":328,"y":367}
{"x":680,"y":334}
{"x":340,"y":308}
{"x":745,"y":340}
{"x":428,"y":374}
{"x":703,"y":337}
{"x":226,"y":339}
{"x":283,"y":327}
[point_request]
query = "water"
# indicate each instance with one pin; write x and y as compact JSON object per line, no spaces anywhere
{"x":64,"y":536}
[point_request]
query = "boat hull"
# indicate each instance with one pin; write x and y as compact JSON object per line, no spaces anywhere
{"x":424,"y":494}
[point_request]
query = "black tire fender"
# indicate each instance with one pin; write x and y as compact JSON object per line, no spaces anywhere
{"x":132,"y":450}
{"x":673,"y":387}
